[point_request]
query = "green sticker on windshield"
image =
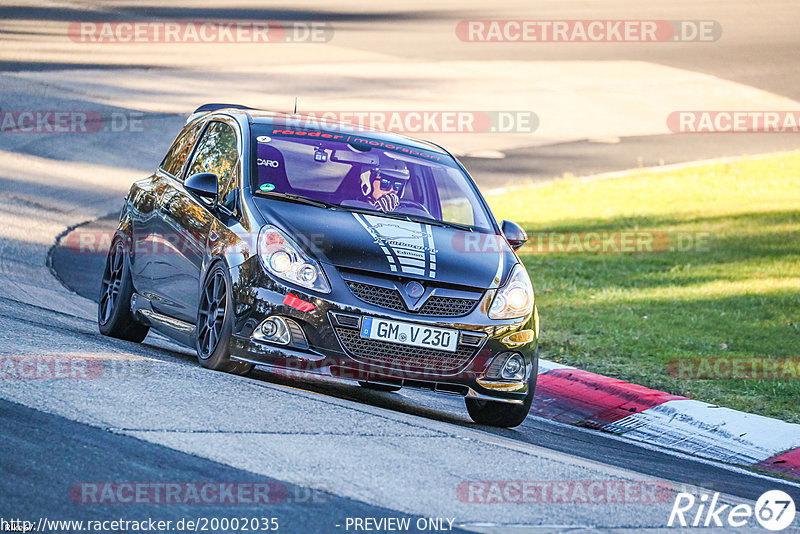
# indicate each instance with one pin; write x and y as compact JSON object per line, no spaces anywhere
{"x":267,"y":187}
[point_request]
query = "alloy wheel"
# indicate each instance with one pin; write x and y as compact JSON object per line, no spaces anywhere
{"x":112,"y":281}
{"x":212,"y":314}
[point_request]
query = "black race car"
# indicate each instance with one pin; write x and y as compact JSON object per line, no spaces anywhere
{"x":280,"y":240}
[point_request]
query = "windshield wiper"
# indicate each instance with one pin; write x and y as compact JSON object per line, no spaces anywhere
{"x":435,"y":222}
{"x":457,"y":226}
{"x":300,"y":199}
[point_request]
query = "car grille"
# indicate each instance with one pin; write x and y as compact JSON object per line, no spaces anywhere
{"x":379,"y":296}
{"x":403,"y":357}
{"x":447,"y":306}
{"x":390,"y":298}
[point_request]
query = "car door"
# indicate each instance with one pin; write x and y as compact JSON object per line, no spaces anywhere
{"x":188,"y":220}
{"x":148,"y":258}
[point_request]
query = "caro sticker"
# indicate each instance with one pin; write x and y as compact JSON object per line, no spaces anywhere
{"x":267,"y":187}
{"x":263,"y":139}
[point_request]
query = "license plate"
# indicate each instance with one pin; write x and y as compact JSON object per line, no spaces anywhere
{"x":409,"y":334}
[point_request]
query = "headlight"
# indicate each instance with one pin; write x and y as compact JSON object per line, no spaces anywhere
{"x":515,"y":299}
{"x":281,"y":257}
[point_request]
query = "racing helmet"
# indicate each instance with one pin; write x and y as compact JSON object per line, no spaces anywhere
{"x":393,"y":175}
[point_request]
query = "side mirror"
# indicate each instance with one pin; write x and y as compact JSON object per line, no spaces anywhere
{"x":204,"y":185}
{"x":514,"y":233}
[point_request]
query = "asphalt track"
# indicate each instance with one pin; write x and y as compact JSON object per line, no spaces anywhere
{"x":33,"y":431}
{"x":362,"y":453}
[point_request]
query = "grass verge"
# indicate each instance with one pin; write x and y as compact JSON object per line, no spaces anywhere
{"x":635,"y":275}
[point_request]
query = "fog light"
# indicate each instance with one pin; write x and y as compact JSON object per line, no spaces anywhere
{"x":507,"y":366}
{"x":514,"y":368}
{"x":268,"y":328}
{"x":273,"y":330}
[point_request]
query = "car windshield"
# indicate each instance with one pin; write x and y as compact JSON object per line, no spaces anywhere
{"x":363,"y":173}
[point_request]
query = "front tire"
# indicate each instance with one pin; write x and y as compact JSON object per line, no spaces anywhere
{"x":215,"y":324}
{"x":502,"y":414}
{"x":114,"y":316}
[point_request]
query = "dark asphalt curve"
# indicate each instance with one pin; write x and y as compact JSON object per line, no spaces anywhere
{"x":46,"y":457}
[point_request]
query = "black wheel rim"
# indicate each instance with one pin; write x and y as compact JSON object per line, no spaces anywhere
{"x":212,"y":314}
{"x":112,"y":281}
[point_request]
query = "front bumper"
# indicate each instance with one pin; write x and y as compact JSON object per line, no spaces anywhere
{"x":332,"y":345}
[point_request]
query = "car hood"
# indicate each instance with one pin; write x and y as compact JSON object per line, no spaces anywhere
{"x":371,"y":242}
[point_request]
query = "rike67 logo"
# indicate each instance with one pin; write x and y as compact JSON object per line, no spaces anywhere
{"x":774,"y":510}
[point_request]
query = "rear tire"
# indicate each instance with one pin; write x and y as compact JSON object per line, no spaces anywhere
{"x":379,"y":387}
{"x":502,"y":414}
{"x":114,"y":316}
{"x":215,"y":324}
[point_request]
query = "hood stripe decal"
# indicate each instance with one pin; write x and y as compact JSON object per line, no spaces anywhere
{"x":387,"y":253}
{"x":431,"y":253}
{"x":406,"y":244}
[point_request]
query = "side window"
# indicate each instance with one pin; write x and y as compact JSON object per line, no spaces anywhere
{"x":228,"y":192}
{"x":454,"y":196}
{"x":217,"y":153}
{"x":176,"y":157}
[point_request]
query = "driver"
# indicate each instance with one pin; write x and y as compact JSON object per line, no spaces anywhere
{"x":382,"y":185}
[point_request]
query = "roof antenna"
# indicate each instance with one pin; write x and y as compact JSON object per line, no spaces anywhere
{"x":295,"y":105}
